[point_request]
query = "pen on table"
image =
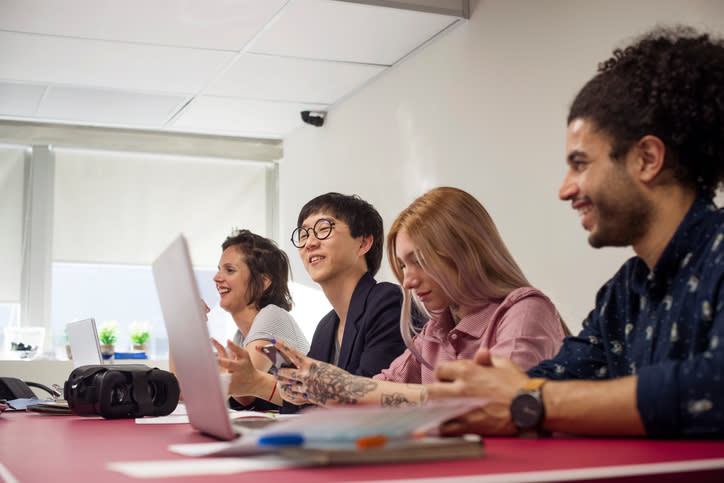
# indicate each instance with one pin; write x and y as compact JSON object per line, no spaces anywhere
{"x":281,"y":439}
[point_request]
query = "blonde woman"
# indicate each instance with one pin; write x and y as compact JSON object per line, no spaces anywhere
{"x":451,"y":261}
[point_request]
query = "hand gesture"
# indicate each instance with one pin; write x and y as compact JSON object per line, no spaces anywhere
{"x":238,"y":363}
{"x":312,"y":381}
{"x":487,"y":377}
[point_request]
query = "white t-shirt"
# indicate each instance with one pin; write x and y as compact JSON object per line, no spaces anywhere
{"x":273,"y":322}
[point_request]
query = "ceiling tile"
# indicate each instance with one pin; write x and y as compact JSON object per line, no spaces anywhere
{"x":289,"y":79}
{"x":61,"y":60}
{"x":239,"y":117}
{"x":120,"y":108}
{"x":320,"y":29}
{"x":240,"y":67}
{"x":209,"y":24}
{"x":19,"y":99}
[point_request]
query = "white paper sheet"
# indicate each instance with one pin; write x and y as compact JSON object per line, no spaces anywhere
{"x":180,"y":416}
{"x":198,"y":466}
{"x":239,"y":447}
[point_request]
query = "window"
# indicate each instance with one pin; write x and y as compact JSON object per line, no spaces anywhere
{"x":103,"y":219}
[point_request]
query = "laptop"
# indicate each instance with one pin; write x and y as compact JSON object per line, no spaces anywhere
{"x":83,"y":340}
{"x":188,"y":337}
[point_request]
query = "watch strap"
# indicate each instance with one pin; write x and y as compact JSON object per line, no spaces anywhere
{"x":533,"y":384}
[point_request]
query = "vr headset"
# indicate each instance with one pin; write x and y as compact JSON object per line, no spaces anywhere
{"x":123,"y":391}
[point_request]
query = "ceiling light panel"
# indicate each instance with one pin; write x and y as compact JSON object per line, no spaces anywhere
{"x":208,"y":24}
{"x":97,"y":63}
{"x":19,"y":99}
{"x":240,"y":117}
{"x":111,"y":108}
{"x":322,"y":29}
{"x":289,"y":79}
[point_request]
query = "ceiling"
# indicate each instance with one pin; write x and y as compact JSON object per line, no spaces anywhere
{"x":225,"y":67}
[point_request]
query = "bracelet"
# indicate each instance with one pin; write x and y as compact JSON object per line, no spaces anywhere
{"x":273,"y":391}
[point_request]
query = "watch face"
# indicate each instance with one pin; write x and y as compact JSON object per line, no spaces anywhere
{"x":526,"y":411}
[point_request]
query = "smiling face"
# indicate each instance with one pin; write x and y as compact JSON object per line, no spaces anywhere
{"x":417,"y":279}
{"x":613,"y":209}
{"x":232,"y":280}
{"x":336,"y":256}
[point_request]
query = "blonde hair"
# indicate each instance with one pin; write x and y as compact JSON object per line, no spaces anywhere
{"x":459,"y":246}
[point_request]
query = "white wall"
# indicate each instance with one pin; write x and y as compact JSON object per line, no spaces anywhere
{"x":483,"y":108}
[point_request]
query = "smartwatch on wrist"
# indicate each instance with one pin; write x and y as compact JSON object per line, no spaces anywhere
{"x":526,"y":410}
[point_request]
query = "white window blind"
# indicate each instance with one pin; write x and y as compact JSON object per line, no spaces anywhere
{"x":11,"y":221}
{"x":124,"y":208}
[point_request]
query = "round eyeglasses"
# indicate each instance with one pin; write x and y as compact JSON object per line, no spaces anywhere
{"x":321,"y":230}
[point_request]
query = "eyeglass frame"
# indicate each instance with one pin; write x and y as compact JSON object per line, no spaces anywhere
{"x":299,"y":229}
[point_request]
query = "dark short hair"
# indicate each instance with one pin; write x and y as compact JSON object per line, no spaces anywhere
{"x":670,"y":84}
{"x":362,"y":218}
{"x":263,"y":257}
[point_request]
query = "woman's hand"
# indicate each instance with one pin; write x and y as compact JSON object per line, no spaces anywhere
{"x":312,"y":381}
{"x":244,"y":376}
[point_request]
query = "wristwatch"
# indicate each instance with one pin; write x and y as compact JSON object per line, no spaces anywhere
{"x":527,"y":410}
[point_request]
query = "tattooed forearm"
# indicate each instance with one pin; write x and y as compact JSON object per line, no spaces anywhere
{"x":423,"y":395}
{"x":396,"y":399}
{"x":327,"y":382}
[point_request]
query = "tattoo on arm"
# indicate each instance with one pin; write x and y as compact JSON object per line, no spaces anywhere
{"x":328,"y":382}
{"x":396,"y":399}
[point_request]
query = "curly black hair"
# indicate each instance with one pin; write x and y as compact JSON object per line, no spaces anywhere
{"x":363,"y":220}
{"x":263,"y":257}
{"x":670,"y":84}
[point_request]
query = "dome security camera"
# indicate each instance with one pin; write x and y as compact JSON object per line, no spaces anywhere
{"x":315,"y":118}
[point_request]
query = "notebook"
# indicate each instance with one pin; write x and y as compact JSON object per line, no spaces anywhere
{"x":83,"y":340}
{"x":188,"y":338}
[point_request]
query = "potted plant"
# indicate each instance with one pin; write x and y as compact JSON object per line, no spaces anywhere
{"x":140,"y":335}
{"x":108,"y":334}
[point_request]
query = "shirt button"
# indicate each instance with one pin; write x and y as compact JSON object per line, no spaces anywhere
{"x":453,"y":336}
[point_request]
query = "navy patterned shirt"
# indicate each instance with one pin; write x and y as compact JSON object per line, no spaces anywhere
{"x":666,"y":326}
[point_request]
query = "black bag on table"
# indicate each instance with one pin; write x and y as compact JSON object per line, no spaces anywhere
{"x":121,"y":391}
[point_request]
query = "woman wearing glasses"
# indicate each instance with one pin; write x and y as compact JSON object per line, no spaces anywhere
{"x":449,"y":257}
{"x":340,"y":241}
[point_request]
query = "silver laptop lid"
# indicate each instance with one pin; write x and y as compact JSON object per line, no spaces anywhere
{"x":83,"y":340}
{"x":188,"y":338}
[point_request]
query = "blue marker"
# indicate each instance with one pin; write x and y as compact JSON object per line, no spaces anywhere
{"x":281,"y":439}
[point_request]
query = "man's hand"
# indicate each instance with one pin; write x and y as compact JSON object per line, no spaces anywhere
{"x":487,"y":377}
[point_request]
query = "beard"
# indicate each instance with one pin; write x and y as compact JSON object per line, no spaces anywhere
{"x":624,"y":215}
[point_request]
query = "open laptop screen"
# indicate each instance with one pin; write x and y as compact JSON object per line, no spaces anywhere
{"x":83,"y":340}
{"x":189,"y":343}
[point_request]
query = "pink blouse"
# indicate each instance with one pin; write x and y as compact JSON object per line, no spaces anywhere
{"x":523,"y":327}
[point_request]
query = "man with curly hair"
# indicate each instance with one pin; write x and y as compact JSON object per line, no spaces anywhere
{"x":645,"y":155}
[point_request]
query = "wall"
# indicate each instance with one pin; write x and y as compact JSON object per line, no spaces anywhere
{"x":483,"y":108}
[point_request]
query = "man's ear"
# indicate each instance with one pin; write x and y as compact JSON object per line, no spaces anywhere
{"x":365,"y":245}
{"x":652,"y":152}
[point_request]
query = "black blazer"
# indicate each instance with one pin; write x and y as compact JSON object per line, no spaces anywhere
{"x":371,"y":339}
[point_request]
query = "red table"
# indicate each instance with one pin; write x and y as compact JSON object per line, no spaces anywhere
{"x":44,"y":448}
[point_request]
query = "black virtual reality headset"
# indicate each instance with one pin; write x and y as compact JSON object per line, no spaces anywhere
{"x":123,"y":391}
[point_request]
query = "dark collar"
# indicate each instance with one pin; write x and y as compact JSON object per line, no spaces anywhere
{"x":657,"y":281}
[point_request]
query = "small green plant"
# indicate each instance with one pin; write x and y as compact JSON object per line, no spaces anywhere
{"x":108,"y":333}
{"x":140,"y":332}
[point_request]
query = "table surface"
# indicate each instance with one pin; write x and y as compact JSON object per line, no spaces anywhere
{"x":36,"y":447}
